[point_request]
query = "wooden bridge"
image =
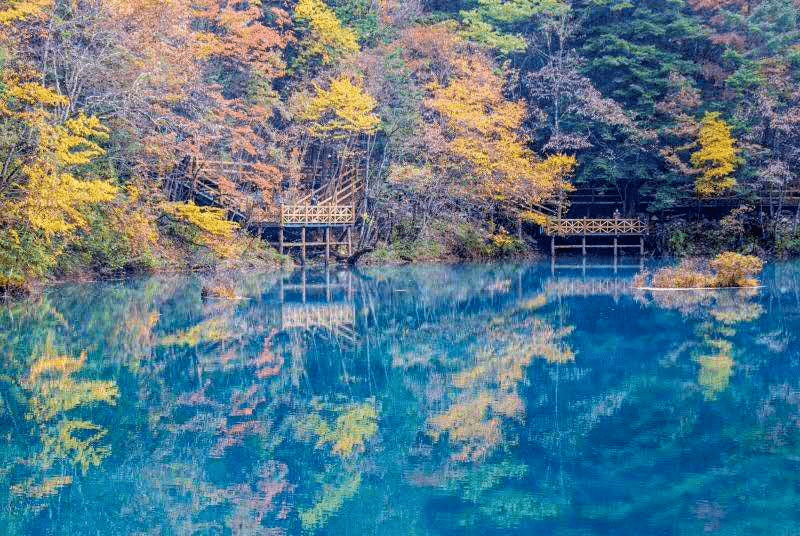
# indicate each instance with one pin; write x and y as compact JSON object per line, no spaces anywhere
{"x":559,"y":228}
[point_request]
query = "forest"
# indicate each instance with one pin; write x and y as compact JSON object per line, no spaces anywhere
{"x":465,"y":121}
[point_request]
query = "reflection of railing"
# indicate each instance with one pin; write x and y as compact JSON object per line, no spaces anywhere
{"x":327,"y":304}
{"x":326,"y":315}
{"x":564,"y":287}
{"x":596,"y":226}
{"x":317,"y":215}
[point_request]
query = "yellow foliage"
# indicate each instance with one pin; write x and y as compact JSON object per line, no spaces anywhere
{"x":18,"y":10}
{"x":55,"y":366}
{"x":467,"y":425}
{"x":489,"y":390}
{"x":208,"y":219}
{"x":211,"y":330}
{"x":729,"y":270}
{"x":33,"y":490}
{"x":735,"y":269}
{"x":717,"y":157}
{"x":329,"y":38}
{"x":534,"y":303}
{"x":352,"y":429}
{"x":77,"y":440}
{"x":715,"y":373}
{"x":736,"y":311}
{"x":341,"y":110}
{"x":485,"y":131}
{"x":53,"y":197}
{"x":55,"y":200}
{"x":332,"y":500}
{"x":33,"y":94}
{"x":56,"y":391}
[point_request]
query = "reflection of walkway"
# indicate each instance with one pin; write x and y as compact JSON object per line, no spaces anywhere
{"x":584,"y":266}
{"x":593,"y":282}
{"x":593,"y":286}
{"x":326,"y":302}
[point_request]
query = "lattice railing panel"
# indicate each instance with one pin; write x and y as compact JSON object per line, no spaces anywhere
{"x":318,"y":215}
{"x":596,"y":226}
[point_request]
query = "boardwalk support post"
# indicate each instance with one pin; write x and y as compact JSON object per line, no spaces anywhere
{"x":327,"y":245}
{"x":303,"y":240}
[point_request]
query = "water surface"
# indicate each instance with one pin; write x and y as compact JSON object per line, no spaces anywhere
{"x":435,"y":400}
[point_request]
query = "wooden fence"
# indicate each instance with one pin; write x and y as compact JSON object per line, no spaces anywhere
{"x":596,"y":226}
{"x":317,"y":215}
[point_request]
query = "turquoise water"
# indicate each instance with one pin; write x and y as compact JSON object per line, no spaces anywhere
{"x":435,"y":400}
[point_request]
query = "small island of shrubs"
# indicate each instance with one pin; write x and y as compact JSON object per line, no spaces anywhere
{"x":726,"y":270}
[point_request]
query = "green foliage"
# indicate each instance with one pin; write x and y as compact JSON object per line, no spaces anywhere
{"x":499,"y":24}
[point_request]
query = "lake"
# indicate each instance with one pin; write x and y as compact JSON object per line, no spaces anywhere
{"x":424,"y":400}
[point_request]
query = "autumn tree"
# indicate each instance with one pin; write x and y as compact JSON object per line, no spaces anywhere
{"x":340,"y":125}
{"x":482,"y":129}
{"x":326,"y":38}
{"x":41,"y":194}
{"x":717,"y":157}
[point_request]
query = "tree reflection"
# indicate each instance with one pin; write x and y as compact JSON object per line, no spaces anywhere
{"x":421,"y":398}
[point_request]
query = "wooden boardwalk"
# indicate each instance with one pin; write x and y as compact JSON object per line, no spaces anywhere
{"x":319,"y":219}
{"x":596,"y":227}
{"x":606,"y":232}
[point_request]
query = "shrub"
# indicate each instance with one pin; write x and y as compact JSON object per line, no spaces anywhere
{"x":725,"y":270}
{"x":503,"y":244}
{"x":688,"y":274}
{"x":222,"y":290}
{"x":736,"y":270}
{"x":13,"y":286}
{"x":467,"y":242}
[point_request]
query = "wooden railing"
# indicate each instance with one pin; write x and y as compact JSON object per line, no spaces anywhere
{"x":596,"y":226}
{"x":317,"y":215}
{"x":341,"y":191}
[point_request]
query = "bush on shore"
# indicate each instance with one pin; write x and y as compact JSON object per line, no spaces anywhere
{"x":12,"y":286}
